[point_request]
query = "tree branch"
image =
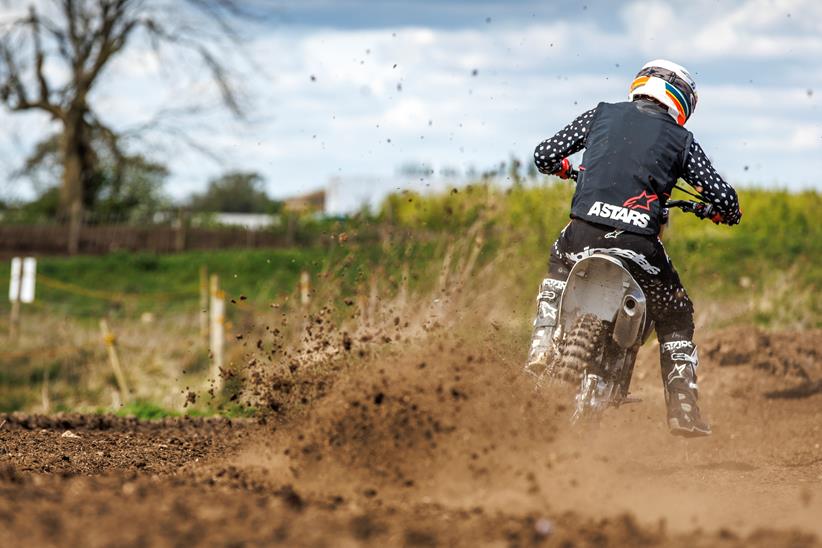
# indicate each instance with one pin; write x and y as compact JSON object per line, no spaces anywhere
{"x":39,"y":58}
{"x":218,"y":71}
{"x":12,"y":86}
{"x":111,"y":39}
{"x":13,"y":91}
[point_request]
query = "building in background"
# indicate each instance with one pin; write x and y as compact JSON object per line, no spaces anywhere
{"x":307,"y":204}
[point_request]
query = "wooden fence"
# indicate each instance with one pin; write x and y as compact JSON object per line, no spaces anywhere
{"x":99,"y":239}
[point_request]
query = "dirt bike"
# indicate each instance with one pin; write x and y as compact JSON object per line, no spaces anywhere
{"x":602,"y":322}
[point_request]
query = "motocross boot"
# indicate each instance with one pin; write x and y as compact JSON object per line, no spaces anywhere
{"x":679,"y":361}
{"x":543,"y":350}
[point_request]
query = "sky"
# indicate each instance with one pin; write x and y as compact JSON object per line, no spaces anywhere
{"x":350,"y":90}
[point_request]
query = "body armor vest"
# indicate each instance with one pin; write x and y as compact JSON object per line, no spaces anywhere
{"x":634,"y":154}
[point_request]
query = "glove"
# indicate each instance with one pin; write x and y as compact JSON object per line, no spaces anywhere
{"x":565,"y":171}
{"x":708,"y":211}
{"x":734,"y":220}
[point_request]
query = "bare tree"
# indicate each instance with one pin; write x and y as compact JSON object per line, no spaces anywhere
{"x":52,"y":57}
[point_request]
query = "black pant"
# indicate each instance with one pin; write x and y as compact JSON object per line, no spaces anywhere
{"x":668,"y":302}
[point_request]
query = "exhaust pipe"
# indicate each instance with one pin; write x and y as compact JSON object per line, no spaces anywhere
{"x":628,"y":319}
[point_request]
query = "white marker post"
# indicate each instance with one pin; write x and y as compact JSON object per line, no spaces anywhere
{"x":217,"y":311}
{"x":21,"y":289}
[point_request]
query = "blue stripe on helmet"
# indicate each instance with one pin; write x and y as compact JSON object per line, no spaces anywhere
{"x":678,"y":94}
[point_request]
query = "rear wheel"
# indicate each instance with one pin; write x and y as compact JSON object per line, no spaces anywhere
{"x":582,"y":348}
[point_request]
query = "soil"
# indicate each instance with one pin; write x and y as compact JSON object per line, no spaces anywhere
{"x":444,"y":445}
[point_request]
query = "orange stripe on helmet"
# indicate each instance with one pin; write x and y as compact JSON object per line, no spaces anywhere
{"x":681,"y":119}
{"x":638,"y":82}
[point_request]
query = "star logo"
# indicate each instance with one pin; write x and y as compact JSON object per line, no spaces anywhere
{"x":643,"y":201}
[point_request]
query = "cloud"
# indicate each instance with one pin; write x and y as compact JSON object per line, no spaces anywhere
{"x":755,"y":29}
{"x":807,"y":137}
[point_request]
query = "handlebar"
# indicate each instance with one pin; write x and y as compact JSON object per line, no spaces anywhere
{"x":700,"y":209}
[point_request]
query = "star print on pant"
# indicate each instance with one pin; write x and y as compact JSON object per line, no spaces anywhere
{"x":644,"y":256}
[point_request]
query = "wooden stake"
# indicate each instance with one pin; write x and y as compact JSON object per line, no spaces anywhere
{"x":116,"y":401}
{"x":44,"y":392}
{"x":111,"y":346}
{"x":373,"y":297}
{"x":217,"y":312}
{"x":204,"y":303}
{"x":305,"y":288}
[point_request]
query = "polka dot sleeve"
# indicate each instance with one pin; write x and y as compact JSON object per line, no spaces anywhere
{"x":700,"y":174}
{"x":549,"y":153}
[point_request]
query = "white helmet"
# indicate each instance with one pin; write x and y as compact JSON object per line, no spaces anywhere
{"x":668,"y":83}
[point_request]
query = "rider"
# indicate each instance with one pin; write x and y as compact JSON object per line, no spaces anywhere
{"x":634,"y":153}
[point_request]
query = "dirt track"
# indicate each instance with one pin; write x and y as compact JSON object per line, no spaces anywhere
{"x":445,"y":446}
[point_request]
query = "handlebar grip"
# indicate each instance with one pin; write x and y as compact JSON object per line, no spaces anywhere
{"x":701,"y":210}
{"x":704,"y":211}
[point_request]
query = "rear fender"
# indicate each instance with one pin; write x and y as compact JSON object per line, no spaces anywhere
{"x":602,"y":286}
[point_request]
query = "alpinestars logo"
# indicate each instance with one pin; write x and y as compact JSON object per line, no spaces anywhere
{"x":617,"y":213}
{"x":550,"y":290}
{"x":676,"y":345}
{"x":684,"y":368}
{"x":629,"y":254}
{"x":642,"y":201}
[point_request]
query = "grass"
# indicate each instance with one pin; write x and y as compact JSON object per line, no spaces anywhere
{"x":777,"y":244}
{"x":145,"y":410}
{"x":111,"y":284}
{"x":122,"y":284}
{"x":148,"y":410}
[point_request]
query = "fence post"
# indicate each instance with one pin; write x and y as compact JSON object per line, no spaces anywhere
{"x":217,"y":311}
{"x":75,"y":221}
{"x":14,"y":315}
{"x":204,"y":303}
{"x":111,"y":346}
{"x":180,"y":231}
{"x":291,"y":228}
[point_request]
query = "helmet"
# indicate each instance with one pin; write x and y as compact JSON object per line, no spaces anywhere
{"x":668,"y":83}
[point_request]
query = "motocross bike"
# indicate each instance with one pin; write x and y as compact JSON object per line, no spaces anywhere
{"x":602,"y":322}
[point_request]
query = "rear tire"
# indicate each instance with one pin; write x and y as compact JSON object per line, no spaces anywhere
{"x":581,"y":348}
